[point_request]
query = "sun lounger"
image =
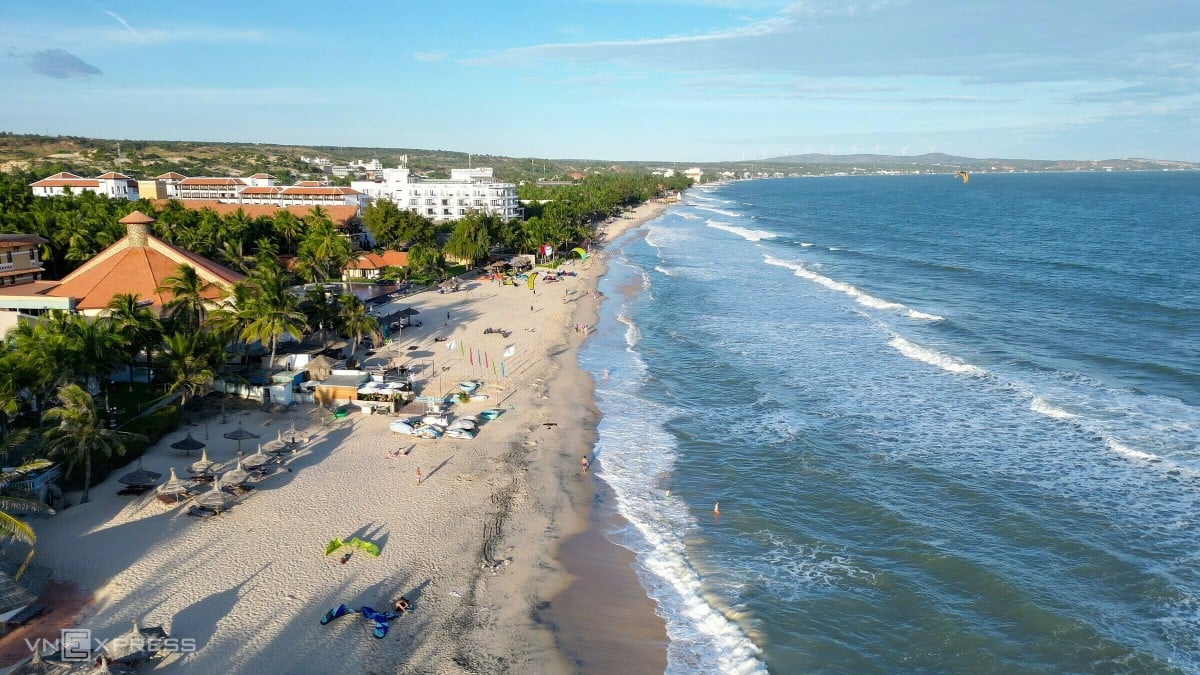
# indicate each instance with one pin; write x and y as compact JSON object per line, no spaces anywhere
{"x":202,"y":512}
{"x":26,"y":615}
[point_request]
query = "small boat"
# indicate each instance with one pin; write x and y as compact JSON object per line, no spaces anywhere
{"x":460,"y":433}
{"x":491,"y":413}
{"x":461,"y":424}
{"x":434,"y":421}
{"x":479,"y":397}
{"x":427,"y":432}
{"x":468,"y":385}
{"x":402,"y":427}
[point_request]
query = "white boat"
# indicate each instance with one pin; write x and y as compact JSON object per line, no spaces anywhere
{"x":402,"y":427}
{"x":469,"y":385}
{"x":460,"y":433}
{"x":461,"y":424}
{"x":479,"y":397}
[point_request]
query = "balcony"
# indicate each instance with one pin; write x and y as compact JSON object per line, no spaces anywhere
{"x":6,"y":267}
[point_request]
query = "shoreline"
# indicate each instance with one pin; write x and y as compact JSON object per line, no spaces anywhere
{"x":490,"y":545}
{"x":601,"y":618}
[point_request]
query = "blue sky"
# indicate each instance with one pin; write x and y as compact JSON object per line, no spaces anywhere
{"x":671,"y":80}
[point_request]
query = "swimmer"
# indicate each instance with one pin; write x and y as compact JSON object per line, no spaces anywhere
{"x":717,"y":508}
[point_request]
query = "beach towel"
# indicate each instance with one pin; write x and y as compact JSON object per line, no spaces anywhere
{"x":340,"y":610}
{"x":380,"y":619}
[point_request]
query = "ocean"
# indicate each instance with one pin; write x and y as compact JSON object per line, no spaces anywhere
{"x":950,"y":426}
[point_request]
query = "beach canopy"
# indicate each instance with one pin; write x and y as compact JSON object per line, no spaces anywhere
{"x":38,"y":666}
{"x":188,"y":444}
{"x":256,"y":460}
{"x":173,"y":486}
{"x":140,"y":476}
{"x":239,"y":434}
{"x":203,"y":466}
{"x":136,"y":646}
{"x":235,"y":476}
{"x":216,"y":498}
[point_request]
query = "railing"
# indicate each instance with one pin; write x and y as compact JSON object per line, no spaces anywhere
{"x":5,"y":267}
{"x":32,"y":484}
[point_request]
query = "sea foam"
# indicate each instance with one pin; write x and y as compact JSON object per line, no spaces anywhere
{"x":861,"y":298}
{"x":744,"y":233}
{"x":933,"y":357}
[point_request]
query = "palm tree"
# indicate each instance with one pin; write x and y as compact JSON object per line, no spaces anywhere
{"x":77,"y":432}
{"x":95,"y":348}
{"x":192,"y":361}
{"x":187,"y":305}
{"x":274,"y":310}
{"x":138,"y":325}
{"x":11,"y":526}
{"x":323,"y":247}
{"x":355,"y":321}
{"x":320,"y":311}
{"x":288,"y":227}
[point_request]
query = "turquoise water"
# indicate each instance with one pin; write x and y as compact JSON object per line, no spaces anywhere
{"x":950,"y":427}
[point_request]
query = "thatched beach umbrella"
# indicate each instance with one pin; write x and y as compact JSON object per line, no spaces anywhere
{"x":235,"y":476}
{"x":204,"y":466}
{"x":39,"y":666}
{"x":239,"y":434}
{"x":139,"y":476}
{"x":136,"y":646}
{"x":216,"y":498}
{"x":256,"y":460}
{"x":173,"y":486}
{"x":187,"y":445}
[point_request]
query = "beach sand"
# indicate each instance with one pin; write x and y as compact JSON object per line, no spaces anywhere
{"x":497,"y":547}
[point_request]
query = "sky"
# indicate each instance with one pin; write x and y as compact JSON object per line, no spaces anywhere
{"x":651,"y":80}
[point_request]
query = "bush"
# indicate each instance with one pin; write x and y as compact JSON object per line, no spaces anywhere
{"x":153,"y":426}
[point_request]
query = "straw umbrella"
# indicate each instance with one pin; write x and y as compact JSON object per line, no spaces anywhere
{"x":239,"y":434}
{"x":140,"y":477}
{"x":173,"y":486}
{"x":187,"y":445}
{"x":136,"y":646}
{"x":204,"y":466}
{"x":235,"y":476}
{"x":216,"y":498}
{"x":39,"y":666}
{"x":256,"y":460}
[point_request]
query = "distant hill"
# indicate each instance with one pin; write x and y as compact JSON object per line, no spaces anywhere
{"x":937,"y":161}
{"x":147,"y":158}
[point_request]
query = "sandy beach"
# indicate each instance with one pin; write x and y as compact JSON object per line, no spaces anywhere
{"x":475,"y":545}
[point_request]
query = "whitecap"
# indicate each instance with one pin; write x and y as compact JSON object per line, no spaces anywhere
{"x":744,"y":233}
{"x":933,"y":357}
{"x":859,"y":297}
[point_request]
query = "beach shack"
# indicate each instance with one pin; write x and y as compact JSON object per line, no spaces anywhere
{"x":340,"y":387}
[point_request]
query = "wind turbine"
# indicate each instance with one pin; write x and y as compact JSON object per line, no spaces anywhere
{"x":854,"y":149}
{"x":904,"y":151}
{"x":877,"y":148}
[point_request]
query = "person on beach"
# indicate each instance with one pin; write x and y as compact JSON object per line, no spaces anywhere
{"x":419,"y":478}
{"x":402,"y":605}
{"x":583,"y":462}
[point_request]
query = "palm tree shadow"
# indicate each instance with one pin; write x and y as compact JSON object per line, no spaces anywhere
{"x":194,"y":621}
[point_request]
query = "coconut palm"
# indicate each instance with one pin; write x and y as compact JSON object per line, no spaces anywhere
{"x":355,"y":322}
{"x":192,"y":361}
{"x":188,"y":303}
{"x":11,"y":526}
{"x":137,"y":324}
{"x":320,"y":311}
{"x":95,"y":348}
{"x":75,"y":431}
{"x":273,"y":308}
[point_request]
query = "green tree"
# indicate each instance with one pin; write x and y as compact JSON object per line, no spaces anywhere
{"x":137,"y":325}
{"x":10,"y":526}
{"x":188,"y":303}
{"x":75,"y":432}
{"x":324,"y":251}
{"x":470,"y":240}
{"x":192,"y":361}
{"x":273,"y":309}
{"x":355,"y":322}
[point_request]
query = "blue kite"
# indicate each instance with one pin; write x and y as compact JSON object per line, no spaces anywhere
{"x":380,"y":619}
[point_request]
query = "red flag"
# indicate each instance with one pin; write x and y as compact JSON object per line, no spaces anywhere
{"x":471,"y":356}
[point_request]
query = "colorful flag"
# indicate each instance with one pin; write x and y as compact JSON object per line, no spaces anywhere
{"x":471,"y":356}
{"x":502,"y":373}
{"x":485,"y":359}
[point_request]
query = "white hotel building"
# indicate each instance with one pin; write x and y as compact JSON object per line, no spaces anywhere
{"x":439,"y":200}
{"x":112,"y":185}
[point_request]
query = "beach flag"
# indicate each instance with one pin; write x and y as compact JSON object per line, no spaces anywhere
{"x":485,"y":359}
{"x":493,"y":369}
{"x":451,"y":345}
{"x":512,"y":349}
{"x":479,"y":356}
{"x":462,"y":349}
{"x":471,"y":356}
{"x":502,"y":373}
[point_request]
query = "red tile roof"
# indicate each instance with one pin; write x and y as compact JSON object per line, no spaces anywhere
{"x":199,"y":182}
{"x":262,"y":175}
{"x":64,"y":179}
{"x":378,"y":261}
{"x":171,"y":175}
{"x":112,"y":175}
{"x":303,"y":189}
{"x":263,"y":190}
{"x":340,"y":214}
{"x":140,"y":270}
{"x":15,"y":240}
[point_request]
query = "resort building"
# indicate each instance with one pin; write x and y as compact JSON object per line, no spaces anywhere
{"x":112,"y":185}
{"x":695,"y":174}
{"x":466,"y":191}
{"x":137,"y":263}
{"x":21,"y":289}
{"x":370,"y":265}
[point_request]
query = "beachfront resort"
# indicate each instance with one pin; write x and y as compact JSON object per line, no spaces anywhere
{"x":234,"y":457}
